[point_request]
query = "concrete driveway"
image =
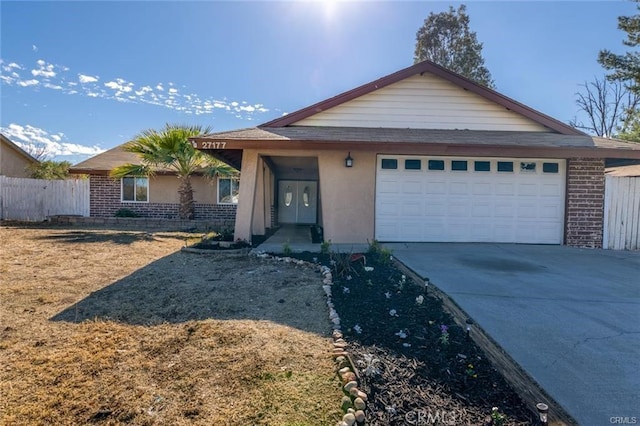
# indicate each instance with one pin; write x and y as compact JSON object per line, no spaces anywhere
{"x":570,"y":317}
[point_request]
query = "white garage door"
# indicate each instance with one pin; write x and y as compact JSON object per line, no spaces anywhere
{"x":454,"y":199}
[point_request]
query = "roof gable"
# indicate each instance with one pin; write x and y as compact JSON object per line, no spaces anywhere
{"x":9,"y":144}
{"x":400,"y":98}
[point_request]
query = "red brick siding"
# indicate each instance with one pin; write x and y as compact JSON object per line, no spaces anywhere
{"x":585,"y":202}
{"x":105,"y":202}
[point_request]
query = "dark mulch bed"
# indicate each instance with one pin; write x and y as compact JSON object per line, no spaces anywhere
{"x":416,"y":364}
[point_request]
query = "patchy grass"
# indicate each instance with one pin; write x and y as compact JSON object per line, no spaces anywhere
{"x":251,"y":367}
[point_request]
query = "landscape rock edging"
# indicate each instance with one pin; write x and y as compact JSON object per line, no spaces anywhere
{"x":354,"y":401}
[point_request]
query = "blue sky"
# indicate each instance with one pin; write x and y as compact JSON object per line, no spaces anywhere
{"x":83,"y":77}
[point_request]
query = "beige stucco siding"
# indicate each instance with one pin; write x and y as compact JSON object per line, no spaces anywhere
{"x":164,"y":189}
{"x":12,"y":163}
{"x":348,"y":197}
{"x":423,"y":102}
{"x":346,"y":194}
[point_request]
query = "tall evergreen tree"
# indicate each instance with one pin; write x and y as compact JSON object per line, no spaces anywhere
{"x":445,"y":38}
{"x":625,"y":67}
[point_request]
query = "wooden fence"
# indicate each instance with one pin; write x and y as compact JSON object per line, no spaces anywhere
{"x":36,"y":199}
{"x":622,"y":213}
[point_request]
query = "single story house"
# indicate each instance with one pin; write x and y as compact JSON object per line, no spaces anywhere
{"x":14,"y":161}
{"x":157,"y":196}
{"x":421,"y":155}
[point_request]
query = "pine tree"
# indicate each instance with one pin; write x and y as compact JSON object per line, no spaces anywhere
{"x":445,"y":38}
{"x":625,"y":67}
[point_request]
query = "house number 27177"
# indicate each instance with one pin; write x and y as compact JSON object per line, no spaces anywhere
{"x":211,"y":145}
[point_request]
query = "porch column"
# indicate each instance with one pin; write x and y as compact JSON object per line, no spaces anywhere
{"x":246,"y":196}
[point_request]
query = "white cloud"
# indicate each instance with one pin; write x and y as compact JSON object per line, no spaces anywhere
{"x":165,"y":95}
{"x":53,"y":86}
{"x":83,"y":78}
{"x":34,"y":47}
{"x":27,"y":83}
{"x":44,"y":70}
{"x":120,"y":85}
{"x":55,"y":144}
{"x":144,"y":90}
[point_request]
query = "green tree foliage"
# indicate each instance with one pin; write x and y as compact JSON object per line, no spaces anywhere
{"x":630,"y":129}
{"x":50,"y":170}
{"x":625,"y":67}
{"x":169,"y":148}
{"x":445,"y":38}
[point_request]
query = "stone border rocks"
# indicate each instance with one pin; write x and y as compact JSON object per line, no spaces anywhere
{"x":354,"y":401}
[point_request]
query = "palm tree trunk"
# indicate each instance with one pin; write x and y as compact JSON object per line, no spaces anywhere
{"x":185,"y":190}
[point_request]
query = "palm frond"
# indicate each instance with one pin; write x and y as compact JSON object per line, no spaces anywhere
{"x":131,"y":170}
{"x":169,"y":148}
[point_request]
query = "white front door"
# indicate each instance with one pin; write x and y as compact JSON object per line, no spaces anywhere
{"x":297,"y":201}
{"x":456,"y":199}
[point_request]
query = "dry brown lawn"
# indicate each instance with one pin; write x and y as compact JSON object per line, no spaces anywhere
{"x":109,"y":327}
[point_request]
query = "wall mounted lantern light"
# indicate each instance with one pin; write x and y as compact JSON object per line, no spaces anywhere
{"x":348,"y":162}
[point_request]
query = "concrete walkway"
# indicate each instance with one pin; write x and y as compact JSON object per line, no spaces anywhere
{"x":298,"y":239}
{"x":570,"y":317}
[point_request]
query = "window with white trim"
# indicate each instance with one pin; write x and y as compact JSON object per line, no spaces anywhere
{"x":228,"y":189}
{"x":135,"y":189}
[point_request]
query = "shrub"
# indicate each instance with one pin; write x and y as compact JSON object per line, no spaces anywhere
{"x":126,"y":213}
{"x":382,"y":254}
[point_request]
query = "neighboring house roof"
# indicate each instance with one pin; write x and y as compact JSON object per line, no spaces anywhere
{"x":624,"y":171}
{"x":420,"y":68}
{"x":7,"y":142}
{"x":103,"y":163}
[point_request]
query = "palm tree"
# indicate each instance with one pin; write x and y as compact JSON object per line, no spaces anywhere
{"x":169,"y":148}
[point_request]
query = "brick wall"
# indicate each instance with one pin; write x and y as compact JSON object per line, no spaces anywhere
{"x":105,"y":202}
{"x":585,"y":202}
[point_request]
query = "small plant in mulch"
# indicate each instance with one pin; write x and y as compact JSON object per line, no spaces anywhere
{"x":222,"y":240}
{"x":413,"y":358}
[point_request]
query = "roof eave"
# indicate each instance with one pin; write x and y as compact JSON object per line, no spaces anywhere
{"x":454,"y":149}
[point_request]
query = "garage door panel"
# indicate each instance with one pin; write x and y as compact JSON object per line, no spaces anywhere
{"x":481,"y":232}
{"x":435,"y":188}
{"x":481,"y":210}
{"x":525,"y":205}
{"x":505,"y":188}
{"x":528,"y":189}
{"x":411,"y":209}
{"x":412,"y":187}
{"x":435,"y":209}
{"x":458,"y":188}
{"x":388,"y":186}
{"x":527,"y":210}
{"x":549,"y":211}
{"x":551,"y":190}
{"x":482,"y":188}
